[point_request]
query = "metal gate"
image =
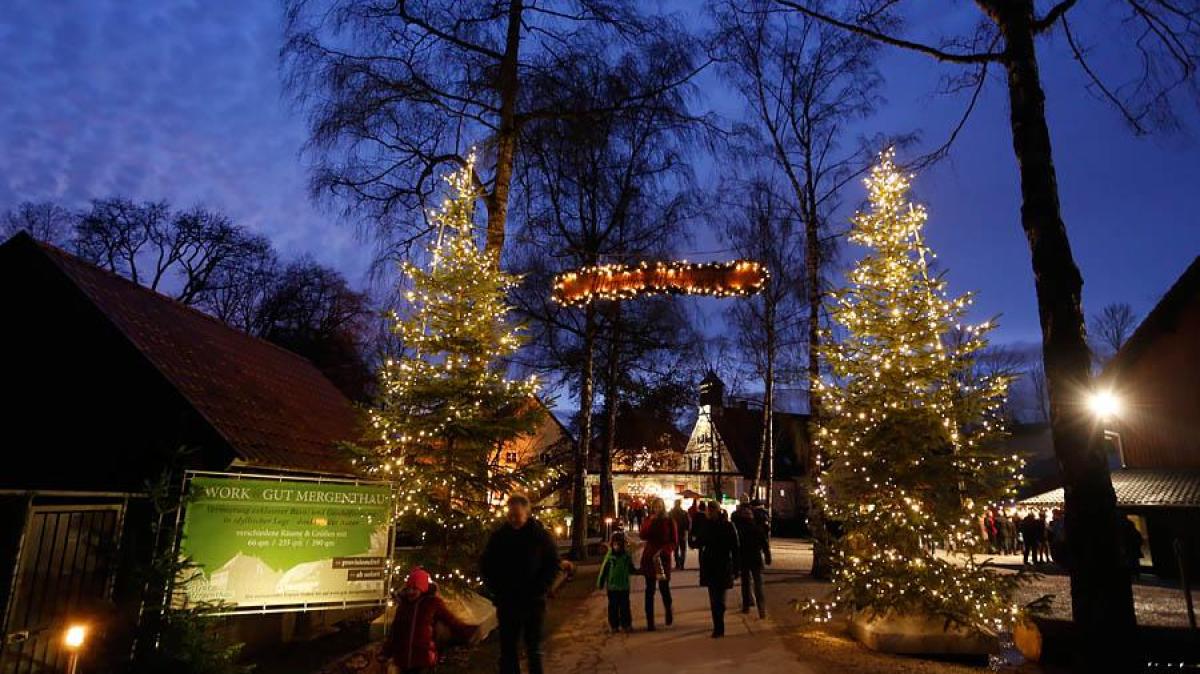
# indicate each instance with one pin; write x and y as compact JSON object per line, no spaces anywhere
{"x":64,"y":573}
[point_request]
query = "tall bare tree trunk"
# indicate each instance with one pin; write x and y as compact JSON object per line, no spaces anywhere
{"x":812,"y":282}
{"x":766,"y":447}
{"x":579,"y":509}
{"x":1101,"y":592}
{"x":506,"y":137}
{"x":607,"y":506}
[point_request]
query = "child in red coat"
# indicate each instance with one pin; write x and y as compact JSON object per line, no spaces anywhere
{"x":410,"y":644}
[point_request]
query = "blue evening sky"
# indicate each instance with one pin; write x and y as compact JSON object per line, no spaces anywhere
{"x":181,"y":100}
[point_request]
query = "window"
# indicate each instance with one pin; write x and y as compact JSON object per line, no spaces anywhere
{"x":510,"y":457}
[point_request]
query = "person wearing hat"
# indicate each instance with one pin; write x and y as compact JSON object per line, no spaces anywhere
{"x":410,"y":644}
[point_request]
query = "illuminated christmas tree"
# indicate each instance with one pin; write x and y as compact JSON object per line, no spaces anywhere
{"x":447,"y":408}
{"x":911,"y":428}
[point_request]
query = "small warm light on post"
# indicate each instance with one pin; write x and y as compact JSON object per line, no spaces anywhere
{"x":75,"y":636}
{"x":558,"y":531}
{"x":1104,"y":404}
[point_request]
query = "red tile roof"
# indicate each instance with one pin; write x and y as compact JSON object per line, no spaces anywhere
{"x":273,"y":407}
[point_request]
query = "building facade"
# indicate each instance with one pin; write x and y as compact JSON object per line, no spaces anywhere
{"x":719,"y":457}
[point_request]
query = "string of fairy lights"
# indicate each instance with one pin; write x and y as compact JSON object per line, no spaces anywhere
{"x":446,"y":404}
{"x":626,"y":281}
{"x":910,"y":429}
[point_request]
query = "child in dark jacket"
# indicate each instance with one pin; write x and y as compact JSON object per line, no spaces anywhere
{"x":411,"y":645}
{"x":615,"y":573}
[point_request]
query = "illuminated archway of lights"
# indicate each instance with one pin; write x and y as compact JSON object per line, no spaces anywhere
{"x":622,"y":282}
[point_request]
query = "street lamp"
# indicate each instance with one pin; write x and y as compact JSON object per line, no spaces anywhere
{"x":73,"y":639}
{"x":1105,"y":405}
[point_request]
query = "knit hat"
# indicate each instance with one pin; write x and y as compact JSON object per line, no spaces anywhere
{"x":418,"y":579}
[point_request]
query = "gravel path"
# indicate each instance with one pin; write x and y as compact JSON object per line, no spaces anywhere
{"x":751,"y":645}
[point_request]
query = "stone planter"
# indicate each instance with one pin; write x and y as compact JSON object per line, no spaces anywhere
{"x":469,"y":606}
{"x":918,"y":634}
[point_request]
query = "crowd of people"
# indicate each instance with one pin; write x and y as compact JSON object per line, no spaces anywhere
{"x":520,"y":563}
{"x":728,"y":549}
{"x":1040,"y":537}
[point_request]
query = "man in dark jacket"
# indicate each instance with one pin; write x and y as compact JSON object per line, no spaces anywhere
{"x":518,"y":567}
{"x":683,"y":527}
{"x":719,"y":558}
{"x":1032,"y":532}
{"x":755,"y":549}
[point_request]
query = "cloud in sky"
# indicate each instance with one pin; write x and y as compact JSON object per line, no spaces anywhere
{"x":160,"y":100}
{"x":181,"y":100}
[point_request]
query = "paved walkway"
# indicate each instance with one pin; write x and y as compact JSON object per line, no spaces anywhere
{"x":750,"y":646}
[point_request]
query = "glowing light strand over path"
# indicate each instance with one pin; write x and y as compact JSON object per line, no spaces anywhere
{"x":622,"y":282}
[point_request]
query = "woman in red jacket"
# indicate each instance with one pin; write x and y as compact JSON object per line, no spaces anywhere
{"x":659,"y":537}
{"x":410,"y":644}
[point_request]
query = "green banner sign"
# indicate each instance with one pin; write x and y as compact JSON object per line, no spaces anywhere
{"x":263,"y":543}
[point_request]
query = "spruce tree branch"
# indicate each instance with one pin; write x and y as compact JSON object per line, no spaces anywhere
{"x":928,"y":50}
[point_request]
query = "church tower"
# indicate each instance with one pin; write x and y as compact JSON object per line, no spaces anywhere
{"x":712,"y":392}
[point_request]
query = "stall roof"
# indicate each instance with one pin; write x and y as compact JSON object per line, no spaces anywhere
{"x":1141,"y":488}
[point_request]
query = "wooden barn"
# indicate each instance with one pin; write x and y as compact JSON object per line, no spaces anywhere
{"x":108,"y":386}
{"x":1154,"y":433}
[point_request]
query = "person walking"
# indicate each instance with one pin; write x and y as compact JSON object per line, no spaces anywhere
{"x":1056,"y":533}
{"x":755,"y":551}
{"x":1131,"y":543}
{"x":659,"y":538}
{"x":1043,"y":538}
{"x":696,"y":534}
{"x":519,"y":566}
{"x":1014,"y":530}
{"x":683,"y":527}
{"x":718,"y":562}
{"x":615,"y":573}
{"x":1030,"y":539}
{"x":410,"y":644}
{"x":991,"y":532}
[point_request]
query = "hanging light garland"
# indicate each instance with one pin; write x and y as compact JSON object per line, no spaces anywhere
{"x":622,"y":282}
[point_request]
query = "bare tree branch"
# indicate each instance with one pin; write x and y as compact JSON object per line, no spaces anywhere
{"x":865,"y":31}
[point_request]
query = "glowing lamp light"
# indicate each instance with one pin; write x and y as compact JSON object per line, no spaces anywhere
{"x":75,"y":636}
{"x":1104,"y":404}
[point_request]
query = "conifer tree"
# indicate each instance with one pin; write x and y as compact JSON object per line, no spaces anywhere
{"x":446,"y":407}
{"x":910,"y":430}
